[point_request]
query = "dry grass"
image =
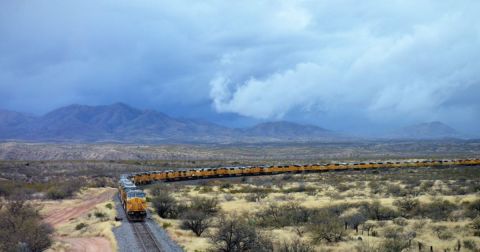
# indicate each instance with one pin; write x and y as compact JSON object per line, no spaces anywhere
{"x":326,"y":190}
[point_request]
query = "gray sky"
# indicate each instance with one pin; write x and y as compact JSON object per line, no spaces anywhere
{"x":356,"y":66}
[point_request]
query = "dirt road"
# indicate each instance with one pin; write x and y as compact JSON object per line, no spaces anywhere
{"x":59,"y":214}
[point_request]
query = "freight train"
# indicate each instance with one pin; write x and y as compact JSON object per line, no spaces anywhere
{"x":197,"y":173}
{"x":133,"y":198}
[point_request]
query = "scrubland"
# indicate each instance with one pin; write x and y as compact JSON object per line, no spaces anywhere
{"x":382,"y":210}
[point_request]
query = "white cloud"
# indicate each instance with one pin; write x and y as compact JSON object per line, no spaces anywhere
{"x":328,"y":60}
{"x":403,"y":74}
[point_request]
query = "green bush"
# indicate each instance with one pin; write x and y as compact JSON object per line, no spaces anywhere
{"x":109,"y":206}
{"x":442,"y":232}
{"x":476,"y":226}
{"x":166,"y":225}
{"x":437,"y":209}
{"x":326,"y":226}
{"x":80,"y":226}
{"x":470,"y":244}
{"x":407,"y":206}
{"x":100,"y":215}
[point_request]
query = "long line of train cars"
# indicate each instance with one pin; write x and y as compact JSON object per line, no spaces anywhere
{"x":196,"y":173}
{"x":134,"y":202}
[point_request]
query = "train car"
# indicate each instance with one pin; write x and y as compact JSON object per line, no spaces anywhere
{"x":133,"y":200}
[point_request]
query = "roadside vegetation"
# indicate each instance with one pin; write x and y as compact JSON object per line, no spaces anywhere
{"x":385,"y":210}
{"x":21,"y":226}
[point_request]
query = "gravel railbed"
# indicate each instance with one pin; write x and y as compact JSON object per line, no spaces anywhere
{"x":127,"y":241}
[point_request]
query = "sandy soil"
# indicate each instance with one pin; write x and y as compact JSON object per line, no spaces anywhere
{"x":86,"y":244}
{"x":59,"y":214}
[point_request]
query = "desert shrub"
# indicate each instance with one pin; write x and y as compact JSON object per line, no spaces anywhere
{"x":419,"y":224}
{"x":21,"y":228}
{"x":296,"y":245}
{"x":442,"y":232}
{"x":165,"y":205}
{"x":65,"y":190}
{"x":109,"y":206}
{"x":196,"y":220}
{"x":226,"y":185}
{"x":228,"y":197}
{"x":100,"y":215}
{"x":394,"y":245}
{"x":300,"y":188}
{"x":407,"y":206}
{"x":395,"y":190}
{"x":476,"y":226}
{"x":342,"y":187}
{"x":80,"y":226}
{"x":375,"y":187}
{"x":396,"y":239}
{"x":473,"y":209}
{"x":166,"y":225}
{"x":256,"y":196}
{"x":437,"y":209}
{"x":280,"y":216}
{"x":426,"y":185}
{"x":400,"y":221}
{"x":236,"y":234}
{"x":206,"y":189}
{"x":470,"y":244}
{"x":393,"y":232}
{"x":208,"y":206}
{"x":56,"y":193}
{"x":325,"y":226}
{"x":375,"y":211}
{"x":158,"y":189}
{"x":354,"y":218}
{"x":366,"y":246}
{"x":197,"y":216}
{"x":368,"y":226}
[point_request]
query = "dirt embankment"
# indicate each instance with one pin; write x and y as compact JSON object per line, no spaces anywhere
{"x":61,"y":213}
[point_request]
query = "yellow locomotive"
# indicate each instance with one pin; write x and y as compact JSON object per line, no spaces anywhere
{"x":133,"y":199}
{"x":181,"y":174}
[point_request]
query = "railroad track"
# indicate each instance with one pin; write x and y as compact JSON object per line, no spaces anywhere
{"x":145,"y":237}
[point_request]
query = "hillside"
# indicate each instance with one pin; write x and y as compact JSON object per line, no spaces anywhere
{"x":430,"y":130}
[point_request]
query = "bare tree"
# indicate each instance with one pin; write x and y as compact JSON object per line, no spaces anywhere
{"x":234,"y":234}
{"x":165,"y":205}
{"x":326,"y":226}
{"x":197,"y":221}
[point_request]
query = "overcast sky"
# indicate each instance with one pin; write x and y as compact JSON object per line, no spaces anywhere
{"x":356,"y":66}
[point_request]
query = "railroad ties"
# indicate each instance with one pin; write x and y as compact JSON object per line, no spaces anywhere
{"x":144,"y":235}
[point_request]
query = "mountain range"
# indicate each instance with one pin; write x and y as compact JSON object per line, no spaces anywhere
{"x":121,"y":123}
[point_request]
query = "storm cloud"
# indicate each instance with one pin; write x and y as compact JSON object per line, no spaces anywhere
{"x":339,"y":64}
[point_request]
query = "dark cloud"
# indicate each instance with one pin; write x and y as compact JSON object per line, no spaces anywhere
{"x":339,"y":64}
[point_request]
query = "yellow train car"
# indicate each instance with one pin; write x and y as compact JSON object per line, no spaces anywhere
{"x":133,"y":200}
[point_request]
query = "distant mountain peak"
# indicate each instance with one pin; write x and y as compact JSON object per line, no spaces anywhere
{"x":427,"y":130}
{"x":285,"y":129}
